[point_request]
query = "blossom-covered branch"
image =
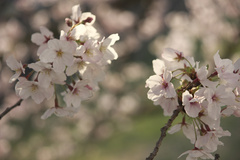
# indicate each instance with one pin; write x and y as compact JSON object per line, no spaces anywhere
{"x":205,"y":97}
{"x":74,"y":62}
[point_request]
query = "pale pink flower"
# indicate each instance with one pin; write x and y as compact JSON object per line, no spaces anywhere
{"x":191,"y":104}
{"x":210,"y":140}
{"x":196,"y":153}
{"x":175,"y":59}
{"x":41,"y":39}
{"x":161,"y":85}
{"x":218,"y":97}
{"x":78,"y":65}
{"x":78,"y":16}
{"x":33,"y":89}
{"x":60,"y":112}
{"x":16,"y":66}
{"x":188,"y":130}
{"x":79,"y":33}
{"x":168,"y":104}
{"x":79,"y":92}
{"x":158,"y":66}
{"x":225,"y":70}
{"x":67,"y":37}
{"x":202,"y":75}
{"x":93,"y":72}
{"x":76,"y":13}
{"x":47,"y":74}
{"x":82,"y":33}
{"x":60,"y":53}
{"x":90,"y":51}
{"x":172,"y":55}
{"x":106,"y":48}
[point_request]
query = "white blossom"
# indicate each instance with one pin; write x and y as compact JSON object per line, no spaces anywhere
{"x":60,"y":53}
{"x":16,"y":66}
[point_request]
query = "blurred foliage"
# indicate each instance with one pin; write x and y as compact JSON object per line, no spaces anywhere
{"x":120,"y":122}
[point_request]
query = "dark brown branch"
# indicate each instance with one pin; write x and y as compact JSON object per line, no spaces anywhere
{"x":217,"y":157}
{"x":10,"y":108}
{"x":163,"y":133}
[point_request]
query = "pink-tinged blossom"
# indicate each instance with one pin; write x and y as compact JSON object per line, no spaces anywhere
{"x":90,"y":51}
{"x":93,"y":72}
{"x":158,"y":66}
{"x":79,"y":92}
{"x":76,"y":13}
{"x":82,"y":33}
{"x":67,"y":37}
{"x":225,"y":70}
{"x":33,"y":89}
{"x":79,"y":33}
{"x":78,"y":65}
{"x":78,"y":16}
{"x":175,"y":59}
{"x":47,"y":74}
{"x":60,"y":53}
{"x":191,"y":104}
{"x":209,"y":141}
{"x":218,"y":97}
{"x":60,"y":112}
{"x":172,"y":55}
{"x":107,"y":50}
{"x":196,"y":153}
{"x":202,"y":75}
{"x":161,"y":85}
{"x":188,"y":130}
{"x":16,"y":66}
{"x":41,"y":39}
{"x":168,"y":104}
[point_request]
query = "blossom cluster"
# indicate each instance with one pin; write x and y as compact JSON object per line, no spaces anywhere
{"x":73,"y":62}
{"x":205,"y":97}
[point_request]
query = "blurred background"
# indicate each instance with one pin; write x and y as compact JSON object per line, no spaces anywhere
{"x":119,"y":122}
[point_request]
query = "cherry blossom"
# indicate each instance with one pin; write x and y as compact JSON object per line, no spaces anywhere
{"x":196,"y":153}
{"x":16,"y":66}
{"x":107,"y":50}
{"x":204,"y":97}
{"x":58,"y":52}
{"x":77,"y":93}
{"x":161,"y":85}
{"x":75,"y":63}
{"x":42,"y":38}
{"x":33,"y":89}
{"x":192,"y":106}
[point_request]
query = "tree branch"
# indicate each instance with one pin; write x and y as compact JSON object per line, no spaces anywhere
{"x":217,"y":157}
{"x":163,"y":133}
{"x":10,"y":108}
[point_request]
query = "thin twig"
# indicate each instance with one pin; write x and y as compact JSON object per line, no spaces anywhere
{"x":217,"y":157}
{"x":10,"y":108}
{"x":163,"y":133}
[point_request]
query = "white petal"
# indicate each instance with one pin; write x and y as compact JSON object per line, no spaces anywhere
{"x":48,"y":55}
{"x":46,"y":32}
{"x":38,"y":96}
{"x":48,"y":113}
{"x":12,"y":63}
{"x":58,"y":65}
{"x":71,"y":70}
{"x":67,"y":59}
{"x":38,"y":38}
{"x":15,"y":76}
{"x":54,"y":44}
{"x":158,"y":66}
